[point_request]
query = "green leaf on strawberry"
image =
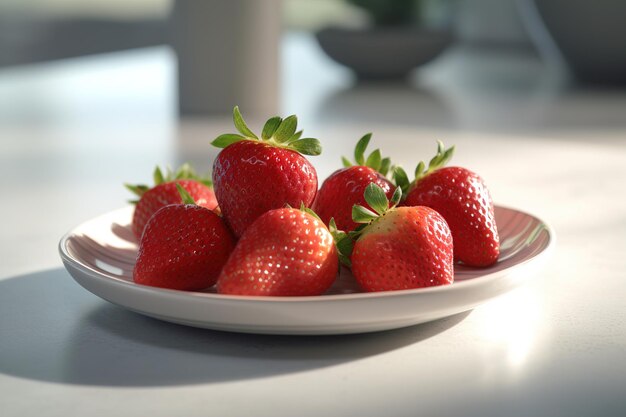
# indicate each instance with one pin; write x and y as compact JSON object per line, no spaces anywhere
{"x":241,"y":125}
{"x":226,"y":139}
{"x":158,"y":176}
{"x":374,"y":160}
{"x":307,"y":210}
{"x":137,"y":189}
{"x":401,"y":179}
{"x":307,"y":146}
{"x":296,"y":136}
{"x":343,"y":242}
{"x":362,"y":215}
{"x":277,"y":131}
{"x":441,"y":158}
{"x":359,"y":149}
{"x":270,"y":127}
{"x":377,"y":199}
{"x":184,"y":195}
{"x":385,"y":164}
{"x":396,"y":197}
{"x":286,"y":129}
{"x":184,"y":172}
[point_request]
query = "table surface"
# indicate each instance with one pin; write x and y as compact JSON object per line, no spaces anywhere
{"x":72,"y":132}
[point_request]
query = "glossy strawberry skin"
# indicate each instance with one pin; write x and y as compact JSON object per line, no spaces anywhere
{"x":252,"y":177}
{"x":462,"y":198}
{"x":285,"y":252}
{"x":408,"y":247}
{"x":165,"y":194}
{"x":184,"y":247}
{"x":342,"y":190}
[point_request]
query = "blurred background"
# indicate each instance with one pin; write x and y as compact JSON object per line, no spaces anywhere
{"x":513,"y":64}
{"x":94,"y":94}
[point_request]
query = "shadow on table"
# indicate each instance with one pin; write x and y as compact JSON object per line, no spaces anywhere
{"x":53,"y":330}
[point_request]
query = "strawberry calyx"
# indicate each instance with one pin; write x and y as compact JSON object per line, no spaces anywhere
{"x":277,"y":132}
{"x":376,"y":198}
{"x":441,"y":158}
{"x":343,"y":242}
{"x":184,"y":172}
{"x":374,"y":160}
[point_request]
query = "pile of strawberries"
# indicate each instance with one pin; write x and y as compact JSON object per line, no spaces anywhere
{"x":264,"y":228}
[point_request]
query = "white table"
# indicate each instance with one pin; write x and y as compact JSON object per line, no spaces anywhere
{"x":72,"y":132}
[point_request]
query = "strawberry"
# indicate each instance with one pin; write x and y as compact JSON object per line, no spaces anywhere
{"x":285,"y":252}
{"x":400,"y":247}
{"x":164,"y":192}
{"x":345,"y":187}
{"x":253,"y":175}
{"x":183,"y":247}
{"x":463,"y":199}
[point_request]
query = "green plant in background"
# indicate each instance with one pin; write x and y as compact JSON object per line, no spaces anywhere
{"x":391,"y":12}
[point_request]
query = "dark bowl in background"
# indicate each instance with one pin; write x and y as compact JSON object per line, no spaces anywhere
{"x":383,"y":53}
{"x":591,"y":35}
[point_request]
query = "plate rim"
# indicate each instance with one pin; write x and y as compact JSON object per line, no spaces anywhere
{"x":67,"y":258}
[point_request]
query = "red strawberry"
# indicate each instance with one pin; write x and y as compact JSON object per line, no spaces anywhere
{"x":401,"y":247}
{"x":164,"y":193}
{"x":183,"y":247}
{"x":285,"y":252}
{"x":345,"y":187}
{"x":252,"y":176}
{"x":463,"y":199}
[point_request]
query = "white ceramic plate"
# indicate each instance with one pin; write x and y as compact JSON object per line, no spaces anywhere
{"x":100,"y":255}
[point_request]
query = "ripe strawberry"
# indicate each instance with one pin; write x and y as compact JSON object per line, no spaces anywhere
{"x":400,"y":247}
{"x":252,"y":176}
{"x":164,"y":192}
{"x":345,"y":187}
{"x":183,"y":247}
{"x":285,"y":252}
{"x":463,"y":199}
